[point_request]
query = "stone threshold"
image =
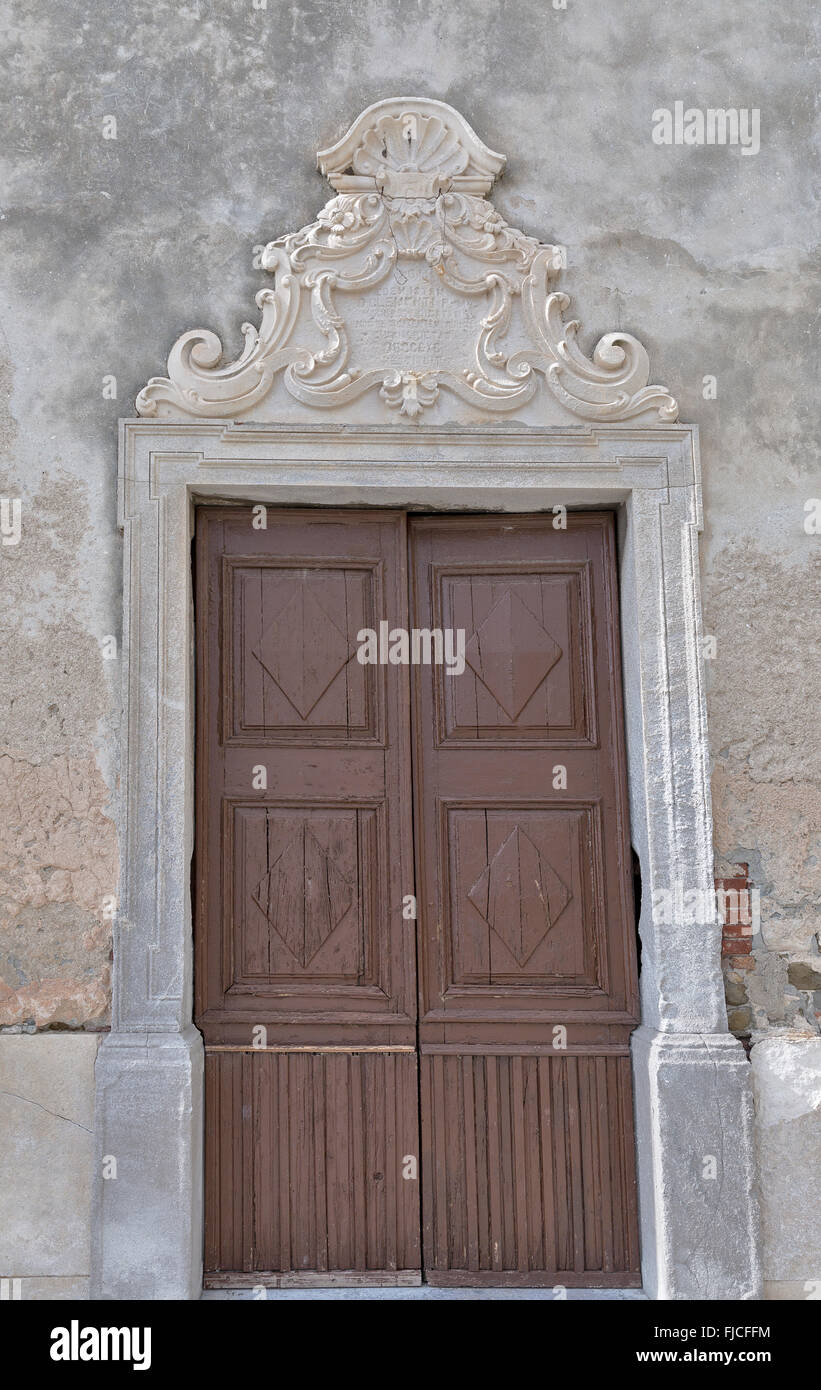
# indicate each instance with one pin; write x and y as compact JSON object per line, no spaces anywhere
{"x":427,"y":1294}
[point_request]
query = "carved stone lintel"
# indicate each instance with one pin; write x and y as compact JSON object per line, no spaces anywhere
{"x":410,"y":176}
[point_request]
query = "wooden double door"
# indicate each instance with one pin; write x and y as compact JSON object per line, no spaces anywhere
{"x":414,"y":927}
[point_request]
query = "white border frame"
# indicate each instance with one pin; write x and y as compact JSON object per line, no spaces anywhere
{"x":692,"y":1091}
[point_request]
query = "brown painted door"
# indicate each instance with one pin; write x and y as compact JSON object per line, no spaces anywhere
{"x":306,"y":972}
{"x":305,"y":967}
{"x":527,"y":971}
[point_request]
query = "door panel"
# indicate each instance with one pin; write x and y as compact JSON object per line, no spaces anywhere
{"x":305,"y":967}
{"x":529,"y":1168}
{"x":525,"y":921}
{"x":303,"y":1177}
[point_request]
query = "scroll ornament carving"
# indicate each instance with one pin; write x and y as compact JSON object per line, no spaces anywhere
{"x":409,"y":176}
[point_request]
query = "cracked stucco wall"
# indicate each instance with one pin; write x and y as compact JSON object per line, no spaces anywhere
{"x":58,"y":853}
{"x":766,"y":785}
{"x":114,"y":247}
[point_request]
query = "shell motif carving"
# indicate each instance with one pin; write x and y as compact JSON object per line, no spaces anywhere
{"x":410,"y":144}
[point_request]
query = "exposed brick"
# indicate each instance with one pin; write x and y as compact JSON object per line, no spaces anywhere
{"x":736,"y":937}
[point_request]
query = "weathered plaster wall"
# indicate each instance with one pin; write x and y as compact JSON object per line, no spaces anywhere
{"x":115,"y":246}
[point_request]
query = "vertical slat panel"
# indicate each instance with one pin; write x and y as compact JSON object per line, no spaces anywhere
{"x":561,"y":1161}
{"x":319,"y":1090}
{"x":345,"y":1158}
{"x":591,"y":1177}
{"x":494,"y":1163}
{"x":212,"y":1156}
{"x":248,"y":1130}
{"x":608,"y":1145}
{"x":440,"y":1176}
{"x":303,"y":1163}
{"x":392,"y":1176}
{"x":528,"y":1156}
{"x":374,"y":1213}
{"x":334,"y":1140}
{"x":410,"y":1144}
{"x":547,"y":1142}
{"x":503,"y":1065}
{"x":457,"y":1165}
{"x":471,"y":1194}
{"x":575,"y":1172}
{"x":618,"y":1191}
{"x":427,"y":1165}
{"x":482,"y":1163}
{"x":285,"y":1245}
{"x":303,"y":1206}
{"x":232,"y":1176}
{"x":266,"y":1183}
{"x":358,"y":1184}
{"x":519,"y":1161}
{"x":533,"y":1156}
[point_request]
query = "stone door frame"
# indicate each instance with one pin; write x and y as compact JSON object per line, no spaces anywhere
{"x":692,"y":1088}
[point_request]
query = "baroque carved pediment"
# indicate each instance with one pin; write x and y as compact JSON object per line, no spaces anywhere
{"x":407,"y":292}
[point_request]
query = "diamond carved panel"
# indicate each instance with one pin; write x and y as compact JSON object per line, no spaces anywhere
{"x":521,"y":902}
{"x":528,"y":653}
{"x":511,"y":653}
{"x":519,"y":895}
{"x":289,"y":637}
{"x":304,"y":896}
{"x":303,"y":650}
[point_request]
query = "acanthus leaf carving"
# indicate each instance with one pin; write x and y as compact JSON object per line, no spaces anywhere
{"x":411,"y":175}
